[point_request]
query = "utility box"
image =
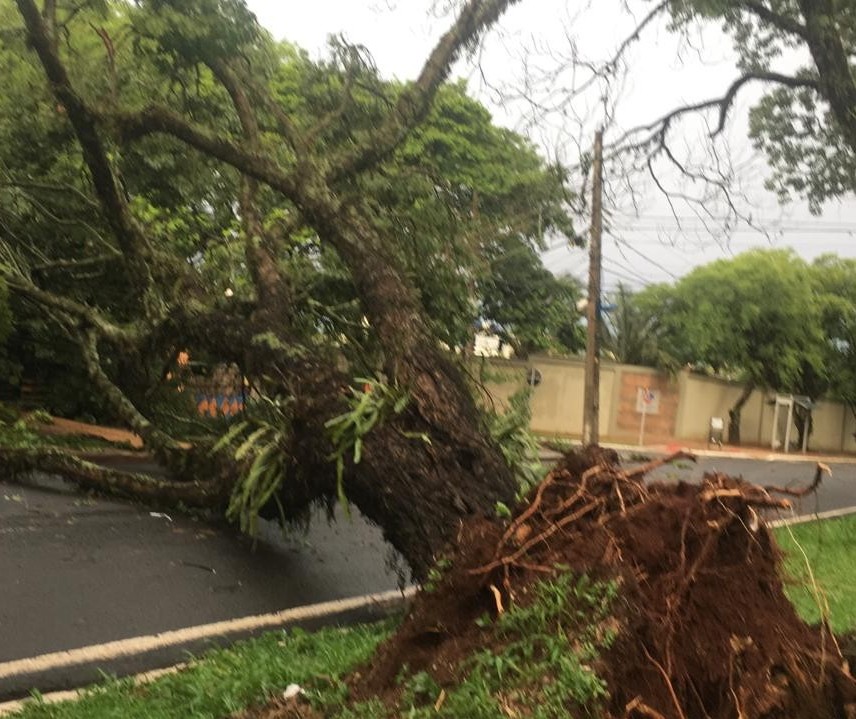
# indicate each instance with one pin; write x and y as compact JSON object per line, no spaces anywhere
{"x":717,"y":431}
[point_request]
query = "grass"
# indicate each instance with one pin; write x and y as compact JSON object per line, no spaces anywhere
{"x":537,"y":663}
{"x":227,"y":680}
{"x":538,"y":656}
{"x":822,"y":554}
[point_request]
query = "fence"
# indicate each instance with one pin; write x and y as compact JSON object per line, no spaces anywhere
{"x":684,"y":404}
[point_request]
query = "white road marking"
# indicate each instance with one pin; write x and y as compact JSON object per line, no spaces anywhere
{"x":140,"y":645}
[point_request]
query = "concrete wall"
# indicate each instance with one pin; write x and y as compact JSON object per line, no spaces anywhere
{"x":687,"y":403}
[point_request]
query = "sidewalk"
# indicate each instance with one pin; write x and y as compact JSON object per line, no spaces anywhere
{"x":760,"y":454}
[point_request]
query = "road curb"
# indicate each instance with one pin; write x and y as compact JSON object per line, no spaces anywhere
{"x":817,"y":517}
{"x":22,"y":675}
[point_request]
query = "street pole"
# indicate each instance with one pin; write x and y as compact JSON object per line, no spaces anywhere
{"x":591,"y":392}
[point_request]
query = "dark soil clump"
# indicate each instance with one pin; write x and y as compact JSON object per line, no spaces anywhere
{"x":703,"y":626}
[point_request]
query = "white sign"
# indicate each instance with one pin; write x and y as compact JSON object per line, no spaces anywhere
{"x":647,"y":400}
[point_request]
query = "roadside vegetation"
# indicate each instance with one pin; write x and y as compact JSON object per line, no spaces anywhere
{"x":227,"y":680}
{"x":820,"y":571}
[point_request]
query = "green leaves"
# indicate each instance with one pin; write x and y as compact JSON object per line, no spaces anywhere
{"x":259,"y":445}
{"x":370,"y":405}
{"x":755,"y":317}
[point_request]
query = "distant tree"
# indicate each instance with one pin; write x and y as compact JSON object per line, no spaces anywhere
{"x":535,"y":309}
{"x":835,"y":282}
{"x":755,"y":317}
{"x":632,"y":328}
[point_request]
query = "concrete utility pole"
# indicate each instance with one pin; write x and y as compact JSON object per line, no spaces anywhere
{"x":591,"y":394}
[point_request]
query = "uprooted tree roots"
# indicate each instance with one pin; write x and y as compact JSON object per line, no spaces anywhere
{"x":702,"y":627}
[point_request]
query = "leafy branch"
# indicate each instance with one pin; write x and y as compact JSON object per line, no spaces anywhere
{"x":369,"y":407}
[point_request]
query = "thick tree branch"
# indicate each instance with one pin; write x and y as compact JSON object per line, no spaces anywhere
{"x":111,"y":195}
{"x":837,"y":82}
{"x":269,"y":282}
{"x":156,"y":119}
{"x":415,"y":100}
{"x":17,"y":463}
{"x":123,"y":336}
{"x":160,"y":442}
{"x":777,"y":20}
{"x":72,"y":264}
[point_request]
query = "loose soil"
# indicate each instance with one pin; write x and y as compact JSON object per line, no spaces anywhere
{"x":704,"y":628}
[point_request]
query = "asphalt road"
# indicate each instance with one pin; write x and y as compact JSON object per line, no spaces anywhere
{"x":76,"y":571}
{"x":835,"y":492}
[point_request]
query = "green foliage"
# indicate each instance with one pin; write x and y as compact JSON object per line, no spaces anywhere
{"x":755,"y":316}
{"x":805,"y":150}
{"x":462,"y":203}
{"x":536,"y":310}
{"x":541,"y":661}
{"x":510,"y":430}
{"x":632,"y":330}
{"x":370,"y":406}
{"x":259,"y":444}
{"x":834,"y":280}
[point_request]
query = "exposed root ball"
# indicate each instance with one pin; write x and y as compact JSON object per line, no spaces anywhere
{"x":704,"y":627}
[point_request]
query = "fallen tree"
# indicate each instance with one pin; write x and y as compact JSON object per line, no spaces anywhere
{"x":431,"y":461}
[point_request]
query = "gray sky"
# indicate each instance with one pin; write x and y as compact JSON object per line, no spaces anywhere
{"x":645,"y":243}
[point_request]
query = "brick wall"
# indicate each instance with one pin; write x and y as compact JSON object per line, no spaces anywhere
{"x":658,"y":427}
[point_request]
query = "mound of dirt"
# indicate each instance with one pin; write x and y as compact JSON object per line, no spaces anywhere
{"x":704,"y":627}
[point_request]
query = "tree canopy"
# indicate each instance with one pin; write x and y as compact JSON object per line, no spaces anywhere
{"x":805,"y":123}
{"x":766,"y":317}
{"x":174,"y":180}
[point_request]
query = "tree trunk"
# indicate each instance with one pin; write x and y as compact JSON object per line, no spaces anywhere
{"x":210,"y":494}
{"x":804,"y":424}
{"x":735,"y":412}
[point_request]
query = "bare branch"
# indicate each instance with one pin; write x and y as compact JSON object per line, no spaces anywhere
{"x":782,"y":22}
{"x":658,"y":128}
{"x":414,"y":102}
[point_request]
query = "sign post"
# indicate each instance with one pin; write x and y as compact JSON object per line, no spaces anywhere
{"x":647,"y":402}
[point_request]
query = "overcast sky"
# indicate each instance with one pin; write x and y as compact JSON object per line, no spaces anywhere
{"x":645,"y":244}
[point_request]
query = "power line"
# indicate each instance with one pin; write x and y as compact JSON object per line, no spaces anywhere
{"x":645,"y":257}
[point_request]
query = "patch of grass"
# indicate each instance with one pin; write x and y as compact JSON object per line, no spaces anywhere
{"x":227,"y":680}
{"x":538,"y":664}
{"x":821,"y":557}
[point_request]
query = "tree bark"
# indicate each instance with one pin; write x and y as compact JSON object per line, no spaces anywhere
{"x":836,"y":77}
{"x":211,"y":494}
{"x":735,"y":412}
